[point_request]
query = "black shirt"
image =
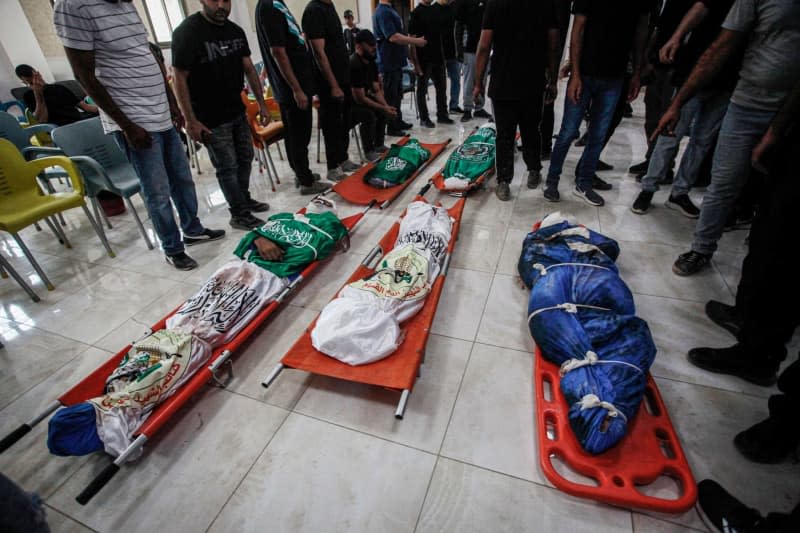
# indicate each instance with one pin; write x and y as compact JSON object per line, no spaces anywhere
{"x":448,"y":12}
{"x":426,"y":21}
{"x":701,"y":38}
{"x":212,"y":54}
{"x":519,"y":46}
{"x":470,"y":14}
{"x":349,"y":35}
{"x":363,"y":74}
{"x":277,"y":27}
{"x":666,"y":22}
{"x":61,"y":105}
{"x":320,"y":21}
{"x":608,"y":35}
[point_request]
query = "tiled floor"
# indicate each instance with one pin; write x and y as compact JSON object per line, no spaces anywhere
{"x":316,"y":454}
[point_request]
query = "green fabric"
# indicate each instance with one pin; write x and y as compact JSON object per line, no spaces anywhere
{"x":303,"y":239}
{"x":399,"y":164}
{"x":474,"y":157}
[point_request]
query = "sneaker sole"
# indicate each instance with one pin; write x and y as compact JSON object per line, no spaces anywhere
{"x":185,"y":269}
{"x":582,"y":197}
{"x":534,"y":186}
{"x":639,"y":211}
{"x":201,"y":241}
{"x":679,"y":209}
{"x":679,"y":272}
{"x":762,"y":382}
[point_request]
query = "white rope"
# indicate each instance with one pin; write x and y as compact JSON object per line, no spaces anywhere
{"x":568,"y":307}
{"x":543,"y":269}
{"x":592,"y":359}
{"x":591,"y":401}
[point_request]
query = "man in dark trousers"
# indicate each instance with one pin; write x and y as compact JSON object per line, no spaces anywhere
{"x":211,"y":57}
{"x":349,"y":31}
{"x":451,"y":61}
{"x":392,"y":44}
{"x":601,"y":43}
{"x":324,"y":33}
{"x":426,"y":21}
{"x":469,"y":18}
{"x":523,"y":37}
{"x":291,"y":77}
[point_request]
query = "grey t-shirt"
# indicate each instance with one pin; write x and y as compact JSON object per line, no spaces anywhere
{"x":771,"y":64}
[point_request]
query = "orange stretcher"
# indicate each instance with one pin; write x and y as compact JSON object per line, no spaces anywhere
{"x":400,"y":370}
{"x":94,"y":384}
{"x":356,"y":191}
{"x":438,"y":179}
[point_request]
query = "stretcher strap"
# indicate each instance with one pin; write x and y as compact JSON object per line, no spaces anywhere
{"x":592,"y":359}
{"x":543,"y":269}
{"x":568,"y":307}
{"x":590,"y":401}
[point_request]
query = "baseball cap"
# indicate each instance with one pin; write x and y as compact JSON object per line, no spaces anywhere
{"x":348,"y":13}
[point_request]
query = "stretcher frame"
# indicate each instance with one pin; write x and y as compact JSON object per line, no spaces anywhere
{"x":400,"y":370}
{"x":356,"y":191}
{"x":438,"y":179}
{"x":93,"y":385}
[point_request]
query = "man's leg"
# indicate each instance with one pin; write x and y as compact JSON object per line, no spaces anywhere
{"x":530,"y":115}
{"x":666,"y":147}
{"x":481,"y":101}
{"x":711,"y":109}
{"x":546,"y":128}
{"x":422,"y":92}
{"x":298,"y":134}
{"x":506,"y":114}
{"x":741,"y":130}
{"x":657,"y":98}
{"x":243,"y":144}
{"x":469,"y":81}
{"x":440,"y":84}
{"x":454,"y":73}
{"x":333,"y":130}
{"x":605,"y":94}
{"x":365,"y":118}
{"x":380,"y":129}
{"x":570,"y":124}
{"x":347,"y":121}
{"x":222,"y":152}
{"x":393,"y":92}
{"x":149,"y":166}
{"x":181,"y":183}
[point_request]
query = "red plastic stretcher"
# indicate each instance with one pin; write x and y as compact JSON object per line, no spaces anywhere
{"x":356,"y":191}
{"x":93,"y":385}
{"x":400,"y":370}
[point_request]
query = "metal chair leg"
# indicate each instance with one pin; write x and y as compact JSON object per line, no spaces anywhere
{"x":272,"y":164}
{"x":357,"y":138}
{"x":61,"y":233}
{"x":99,"y":230}
{"x":100,"y":214}
{"x":280,"y":153}
{"x":139,"y":223}
{"x":6,"y":269}
{"x":319,"y":134}
{"x":33,"y":262}
{"x":54,"y":230}
{"x":263,"y":155}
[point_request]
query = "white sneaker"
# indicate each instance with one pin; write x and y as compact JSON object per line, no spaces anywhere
{"x":335,"y":174}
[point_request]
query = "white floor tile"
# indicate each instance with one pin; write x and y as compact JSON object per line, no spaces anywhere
{"x":461,"y":305}
{"x":478,"y":247}
{"x":504,"y":320}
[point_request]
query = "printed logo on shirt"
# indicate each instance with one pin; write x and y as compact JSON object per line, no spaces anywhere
{"x":425,"y":240}
{"x":220,"y":303}
{"x":219,"y":49}
{"x":276,"y":230}
{"x":402,"y":275}
{"x":393,"y":164}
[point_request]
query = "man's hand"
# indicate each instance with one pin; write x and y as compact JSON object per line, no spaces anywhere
{"x":419,"y":42}
{"x":550,"y":93}
{"x":37,"y":83}
{"x":477,"y":90}
{"x":263,"y":114}
{"x":418,"y":71}
{"x":268,"y":249}
{"x":301,"y":99}
{"x":390,"y":111}
{"x":634,"y":87}
{"x":762,"y":150}
{"x":574,"y":89}
{"x":137,"y":136}
{"x":337,"y":93}
{"x":666,"y":126}
{"x":565,"y":70}
{"x":667,"y":53}
{"x":197,"y":131}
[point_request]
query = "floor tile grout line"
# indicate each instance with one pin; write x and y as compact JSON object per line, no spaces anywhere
{"x":59,"y":511}
{"x":427,"y":492}
{"x":455,"y":400}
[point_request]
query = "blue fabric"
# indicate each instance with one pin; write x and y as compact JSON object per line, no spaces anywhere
{"x":386,"y":21}
{"x":73,"y":431}
{"x":621,"y":341}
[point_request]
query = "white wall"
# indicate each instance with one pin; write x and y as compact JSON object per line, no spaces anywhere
{"x":18,"y":40}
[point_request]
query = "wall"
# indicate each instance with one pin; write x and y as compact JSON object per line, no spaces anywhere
{"x":18,"y":39}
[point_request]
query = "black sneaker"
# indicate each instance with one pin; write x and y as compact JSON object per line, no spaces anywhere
{"x":445,"y":120}
{"x":426,"y":123}
{"x":691,"y":263}
{"x":181,"y":261}
{"x":246,"y":222}
{"x":599,"y":184}
{"x":602,"y":166}
{"x":207,"y":235}
{"x":724,"y":513}
{"x":395,"y":133}
{"x":467,"y":116}
{"x":639,"y":168}
{"x":734,"y":361}
{"x":642,"y":202}
{"x":534,"y":178}
{"x":589,"y":196}
{"x":316,"y":187}
{"x":481,"y":113}
{"x":770,"y":441}
{"x":684,"y":204}
{"x":551,"y":194}
{"x":257,"y":207}
{"x":725,"y":316}
{"x":406,"y":125}
{"x":503,"y":191}
{"x":456,"y":110}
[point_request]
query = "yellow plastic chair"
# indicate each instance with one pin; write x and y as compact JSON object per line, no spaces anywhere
{"x":22,"y":202}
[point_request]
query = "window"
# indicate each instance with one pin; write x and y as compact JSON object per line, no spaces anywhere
{"x":164,"y":16}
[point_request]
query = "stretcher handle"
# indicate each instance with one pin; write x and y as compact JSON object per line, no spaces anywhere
{"x":14,"y":436}
{"x":97,"y":483}
{"x":425,"y":189}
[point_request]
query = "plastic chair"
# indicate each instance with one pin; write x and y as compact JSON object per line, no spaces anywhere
{"x":102,"y":163}
{"x":42,"y":138}
{"x":263,"y":138}
{"x":6,"y":269}
{"x":22,"y":202}
{"x":5,"y":106}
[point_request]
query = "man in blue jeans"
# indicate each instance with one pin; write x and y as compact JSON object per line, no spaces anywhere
{"x":392,"y":43}
{"x":602,"y":41}
{"x":702,"y":115}
{"x":768,"y":31}
{"x":452,"y":64}
{"x":211,"y":57}
{"x":106,"y":45}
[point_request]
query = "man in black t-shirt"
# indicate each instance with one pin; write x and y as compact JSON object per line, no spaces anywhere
{"x":603,"y":40}
{"x":324,"y":33}
{"x":523,"y":37}
{"x":291,"y":76}
{"x":426,"y":21}
{"x":210,"y":57}
{"x":451,"y":62}
{"x":349,"y":31}
{"x":370,"y":108}
{"x":469,"y":18}
{"x":52,"y":103}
